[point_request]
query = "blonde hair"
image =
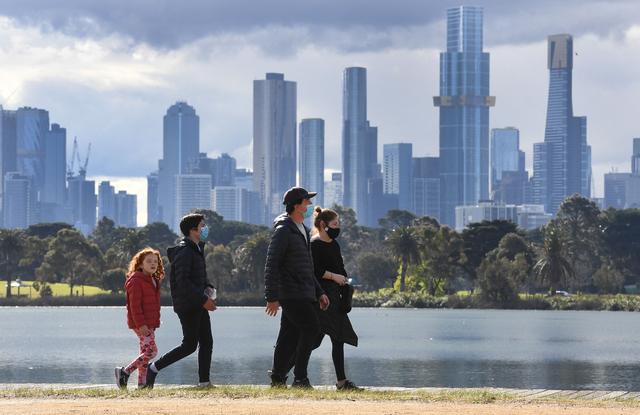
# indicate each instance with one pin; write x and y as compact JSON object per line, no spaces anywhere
{"x":136,"y":263}
{"x":322,"y":215}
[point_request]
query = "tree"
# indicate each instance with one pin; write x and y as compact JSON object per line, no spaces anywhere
{"x":608,"y":279}
{"x":11,"y":249}
{"x":35,"y":248}
{"x":441,"y":249}
{"x":104,"y":234}
{"x":46,"y":230}
{"x":621,"y":240}
{"x":71,"y":258}
{"x":396,"y":218}
{"x":481,"y":238}
{"x":219,"y":266}
{"x":552,"y":267}
{"x":251,"y":258}
{"x":376,"y":270}
{"x":158,"y":236}
{"x":579,"y":222}
{"x":403,"y":245}
{"x":113,"y":280}
{"x":499,"y":278}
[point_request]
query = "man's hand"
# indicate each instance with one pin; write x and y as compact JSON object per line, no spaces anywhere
{"x":144,"y":330}
{"x":324,"y":302}
{"x":210,"y":305}
{"x":272,"y":308}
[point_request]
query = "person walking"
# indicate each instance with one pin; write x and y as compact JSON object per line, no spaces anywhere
{"x":193,"y":297}
{"x":290,"y":283}
{"x":330,"y":272}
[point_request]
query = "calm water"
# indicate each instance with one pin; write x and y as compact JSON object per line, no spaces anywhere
{"x":398,"y":347}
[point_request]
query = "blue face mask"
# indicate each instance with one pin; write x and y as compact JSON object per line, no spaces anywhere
{"x":307,"y":213}
{"x":204,"y":232}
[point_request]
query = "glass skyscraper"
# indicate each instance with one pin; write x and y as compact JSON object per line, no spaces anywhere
{"x":311,"y":160}
{"x":359,"y":143}
{"x":397,"y":172}
{"x":564,"y":159}
{"x":274,"y":141}
{"x":464,"y":103}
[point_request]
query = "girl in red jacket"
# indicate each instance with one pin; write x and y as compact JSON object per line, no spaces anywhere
{"x":143,"y":311}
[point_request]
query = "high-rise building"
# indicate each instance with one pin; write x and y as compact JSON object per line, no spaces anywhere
{"x":484,"y":210}
{"x":154,"y":213}
{"x":379,"y":203}
{"x":464,"y":103}
{"x":18,"y":201}
{"x":564,"y":159}
{"x":426,"y":186}
{"x":82,"y":202}
{"x":8,"y":142}
{"x":193,"y":191}
{"x":55,"y":167}
{"x":106,"y":201}
{"x":244,"y":179}
{"x":505,"y":153}
{"x":181,"y":146}
{"x":359,"y":144}
{"x":333,"y":190}
{"x":32,"y":128}
{"x":221,"y":169}
{"x":635,"y":157}
{"x":311,"y":159}
{"x":235,"y":203}
{"x":126,"y":209}
{"x":615,"y":190}
{"x":397,"y":172}
{"x":274,"y":141}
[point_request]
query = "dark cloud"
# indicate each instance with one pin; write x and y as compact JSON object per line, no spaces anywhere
{"x":349,"y":25}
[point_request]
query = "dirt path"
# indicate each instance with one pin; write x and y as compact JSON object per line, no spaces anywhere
{"x":208,"y":406}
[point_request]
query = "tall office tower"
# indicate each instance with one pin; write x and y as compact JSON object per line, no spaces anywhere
{"x":8,"y":142}
{"x":126,"y":209}
{"x":235,"y":203}
{"x":153,"y":207}
{"x":274,"y":141}
{"x":55,"y":167}
{"x":615,"y":190}
{"x":564,"y":159}
{"x":181,"y":146}
{"x":106,"y":201}
{"x":311,"y":159}
{"x":222,"y":169}
{"x":193,"y":191}
{"x":397,"y":173}
{"x":359,"y":143}
{"x":333,"y":190}
{"x":509,"y":179}
{"x":426,"y":187}
{"x":635,"y":157}
{"x":18,"y":201}
{"x":82,"y":202}
{"x":244,"y":179}
{"x":464,"y":103}
{"x":32,"y":128}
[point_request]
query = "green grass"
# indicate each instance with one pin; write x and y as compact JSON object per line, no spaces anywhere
{"x":474,"y":396}
{"x":58,"y":289}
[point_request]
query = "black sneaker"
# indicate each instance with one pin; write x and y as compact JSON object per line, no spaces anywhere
{"x":121,"y":378}
{"x":349,"y":386}
{"x":278,"y":381}
{"x":302,"y":384}
{"x":151,"y":378}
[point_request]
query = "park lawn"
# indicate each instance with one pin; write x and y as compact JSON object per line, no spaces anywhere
{"x":59,"y":290}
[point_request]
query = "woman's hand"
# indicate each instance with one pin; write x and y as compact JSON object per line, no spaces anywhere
{"x":339,"y":279}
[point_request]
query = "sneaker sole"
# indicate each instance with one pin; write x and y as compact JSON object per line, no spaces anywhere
{"x":117,"y":374}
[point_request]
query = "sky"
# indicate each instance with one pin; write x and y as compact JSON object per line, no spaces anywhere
{"x":108,"y":71}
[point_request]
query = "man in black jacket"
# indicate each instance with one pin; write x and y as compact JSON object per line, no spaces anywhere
{"x":290,"y":283}
{"x":191,"y":294}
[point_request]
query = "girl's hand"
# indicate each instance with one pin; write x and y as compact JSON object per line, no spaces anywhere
{"x":144,"y":330}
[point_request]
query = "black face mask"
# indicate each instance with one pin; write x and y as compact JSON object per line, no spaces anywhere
{"x":332,"y":232}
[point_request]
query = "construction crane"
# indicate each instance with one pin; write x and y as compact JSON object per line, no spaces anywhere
{"x":83,"y":166}
{"x":74,"y":153}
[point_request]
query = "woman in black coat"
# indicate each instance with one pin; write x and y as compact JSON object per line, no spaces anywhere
{"x":329,"y":270}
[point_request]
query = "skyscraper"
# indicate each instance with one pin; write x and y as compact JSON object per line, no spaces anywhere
{"x":8,"y":142}
{"x":359,"y":143}
{"x":274,"y":141}
{"x":106,"y":201}
{"x":193,"y":191}
{"x":55,"y":166}
{"x":181,"y":146}
{"x":82,"y":202}
{"x":32,"y":127}
{"x":153,"y":208}
{"x":18,"y":202}
{"x":311,"y":159}
{"x":464,"y":103}
{"x":397,"y":172}
{"x":508,"y":175}
{"x":333,"y":190}
{"x":564,"y":159}
{"x":126,"y":209}
{"x":426,"y":187}
{"x":635,"y":157}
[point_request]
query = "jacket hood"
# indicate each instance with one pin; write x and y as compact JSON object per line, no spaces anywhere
{"x":283,"y":219}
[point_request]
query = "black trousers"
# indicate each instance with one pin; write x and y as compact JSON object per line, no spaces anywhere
{"x":299,"y":329}
{"x":196,"y":331}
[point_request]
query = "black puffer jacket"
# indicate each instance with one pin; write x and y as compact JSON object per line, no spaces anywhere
{"x":288,"y":272}
{"x":188,"y":276}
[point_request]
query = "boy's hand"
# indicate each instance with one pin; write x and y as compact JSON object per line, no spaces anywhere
{"x":210,"y":304}
{"x":324,"y":302}
{"x":272,"y":308}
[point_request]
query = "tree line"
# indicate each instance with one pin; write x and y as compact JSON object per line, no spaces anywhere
{"x":584,"y":249}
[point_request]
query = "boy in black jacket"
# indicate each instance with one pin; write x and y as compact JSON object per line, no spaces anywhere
{"x":290,"y":283}
{"x":190,"y":293}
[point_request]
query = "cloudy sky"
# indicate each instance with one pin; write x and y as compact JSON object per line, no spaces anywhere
{"x":108,"y":70}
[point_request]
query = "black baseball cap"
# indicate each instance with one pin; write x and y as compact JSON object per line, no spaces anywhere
{"x":296,"y":194}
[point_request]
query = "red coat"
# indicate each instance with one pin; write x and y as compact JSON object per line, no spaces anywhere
{"x":143,"y":301}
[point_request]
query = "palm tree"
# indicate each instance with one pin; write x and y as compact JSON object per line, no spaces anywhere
{"x":11,"y":249}
{"x":552,"y":266}
{"x":404,"y":246}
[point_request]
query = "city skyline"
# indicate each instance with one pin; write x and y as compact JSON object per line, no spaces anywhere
{"x":398,"y":110}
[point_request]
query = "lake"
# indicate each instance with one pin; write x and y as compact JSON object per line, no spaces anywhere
{"x":398,"y":347}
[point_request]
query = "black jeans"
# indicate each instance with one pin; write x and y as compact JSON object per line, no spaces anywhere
{"x":196,"y":331}
{"x":299,"y":328}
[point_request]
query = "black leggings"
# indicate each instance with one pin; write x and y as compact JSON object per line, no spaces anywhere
{"x":337,"y":354}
